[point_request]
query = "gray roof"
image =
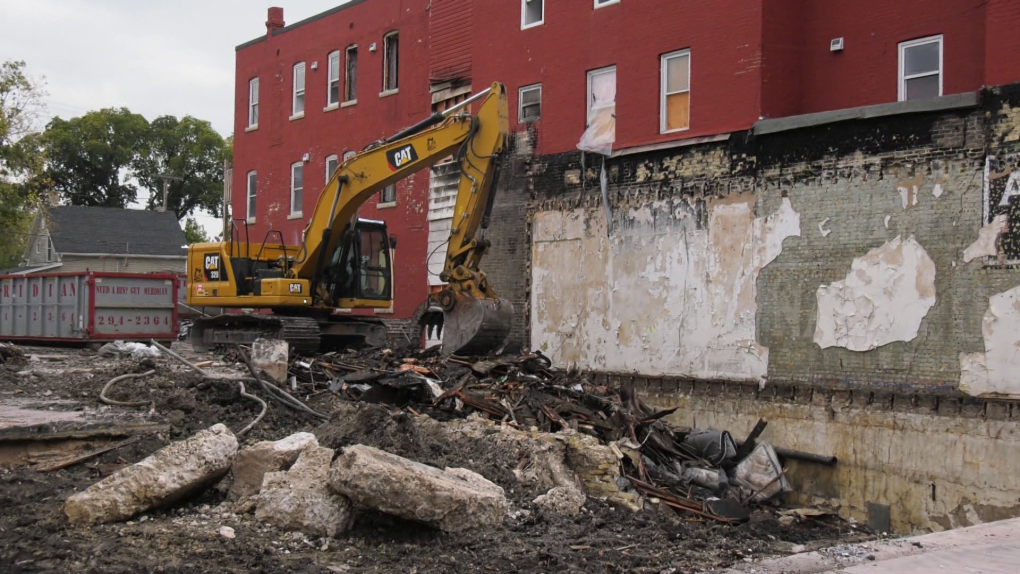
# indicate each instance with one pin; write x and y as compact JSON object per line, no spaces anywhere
{"x":111,"y":230}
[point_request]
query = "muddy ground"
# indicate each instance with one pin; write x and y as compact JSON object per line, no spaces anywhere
{"x":35,"y":536}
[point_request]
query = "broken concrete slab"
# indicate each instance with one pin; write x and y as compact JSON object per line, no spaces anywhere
{"x":451,"y":500}
{"x":271,"y":356}
{"x":167,"y":476}
{"x":253,"y":462}
{"x":300,"y":500}
{"x":562,"y":500}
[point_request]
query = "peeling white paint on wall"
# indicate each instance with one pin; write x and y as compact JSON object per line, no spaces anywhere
{"x":908,"y":194}
{"x":888,"y":218}
{"x":821,"y":227}
{"x":994,"y":373}
{"x":883,"y":298}
{"x":987,"y":236}
{"x":937,"y":191}
{"x":661,"y":295}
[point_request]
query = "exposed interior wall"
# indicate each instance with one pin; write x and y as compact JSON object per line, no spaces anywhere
{"x":671,"y":290}
{"x":855,"y":283}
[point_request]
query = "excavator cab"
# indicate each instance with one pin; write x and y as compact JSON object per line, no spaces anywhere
{"x":361,"y":268}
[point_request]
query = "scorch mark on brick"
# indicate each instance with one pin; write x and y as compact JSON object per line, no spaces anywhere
{"x":883,"y":298}
{"x":993,"y":373}
{"x":665,"y":295}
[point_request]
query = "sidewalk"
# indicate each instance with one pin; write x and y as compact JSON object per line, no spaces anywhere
{"x":992,"y":548}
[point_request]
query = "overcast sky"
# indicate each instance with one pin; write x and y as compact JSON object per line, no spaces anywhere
{"x":153,"y":57}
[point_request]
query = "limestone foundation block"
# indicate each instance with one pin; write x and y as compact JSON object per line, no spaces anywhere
{"x":452,"y":500}
{"x":253,"y":462}
{"x":299,"y":498}
{"x":170,"y":474}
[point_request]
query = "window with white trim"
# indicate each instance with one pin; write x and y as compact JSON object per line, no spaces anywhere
{"x":252,"y":189}
{"x":391,"y":68}
{"x":351,"y":74}
{"x":601,"y":3}
{"x":388,"y":195}
{"x":601,"y":88}
{"x":299,"y":89}
{"x":349,"y":154}
{"x":675,"y":92}
{"x":297,"y":188}
{"x":253,"y":103}
{"x":331,"y":164}
{"x":529,"y":107}
{"x":333,"y":83}
{"x":921,"y":68}
{"x":532,"y":13}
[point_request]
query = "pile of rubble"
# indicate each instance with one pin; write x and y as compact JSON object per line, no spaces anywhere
{"x":699,"y":471}
{"x":574,"y":439}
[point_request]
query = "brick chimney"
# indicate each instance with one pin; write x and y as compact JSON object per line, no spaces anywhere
{"x":274,"y":21}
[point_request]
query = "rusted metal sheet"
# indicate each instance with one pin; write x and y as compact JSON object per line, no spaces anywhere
{"x":450,"y":26}
{"x":84,"y":307}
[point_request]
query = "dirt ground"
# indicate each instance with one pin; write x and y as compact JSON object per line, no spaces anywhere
{"x":36,"y":537}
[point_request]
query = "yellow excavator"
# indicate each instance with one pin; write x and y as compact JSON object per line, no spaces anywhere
{"x":300,"y":293}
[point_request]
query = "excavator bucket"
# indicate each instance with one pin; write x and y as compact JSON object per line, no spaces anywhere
{"x":470,"y":326}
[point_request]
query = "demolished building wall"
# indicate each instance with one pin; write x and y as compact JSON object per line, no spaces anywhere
{"x":876,"y":291}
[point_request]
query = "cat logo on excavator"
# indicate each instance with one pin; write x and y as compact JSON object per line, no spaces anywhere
{"x":401,"y":156}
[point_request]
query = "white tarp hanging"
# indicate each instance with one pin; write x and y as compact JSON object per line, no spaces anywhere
{"x":600,"y":134}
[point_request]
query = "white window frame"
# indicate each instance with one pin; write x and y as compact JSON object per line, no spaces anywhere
{"x":347,"y":95}
{"x":253,"y":103}
{"x":587,"y":93}
{"x":524,"y":13}
{"x":251,"y":193}
{"x":604,"y":3}
{"x":663,"y":83}
{"x":520,"y":103}
{"x":332,"y":158}
{"x":295,"y":113}
{"x":296,"y":213}
{"x":330,"y":80}
{"x":386,"y":89}
{"x":349,"y":154}
{"x":902,"y":91}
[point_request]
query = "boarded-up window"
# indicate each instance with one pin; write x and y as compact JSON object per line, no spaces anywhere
{"x":391,"y":49}
{"x":351,"y":85}
{"x":676,"y":91}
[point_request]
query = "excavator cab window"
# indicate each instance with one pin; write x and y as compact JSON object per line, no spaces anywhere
{"x":361,"y":267}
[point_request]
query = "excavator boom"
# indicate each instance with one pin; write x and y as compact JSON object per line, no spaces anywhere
{"x":344,"y":262}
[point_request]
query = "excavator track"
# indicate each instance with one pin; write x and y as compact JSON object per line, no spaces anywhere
{"x":301,"y":333}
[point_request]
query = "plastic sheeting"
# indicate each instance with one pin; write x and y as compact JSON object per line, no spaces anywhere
{"x":600,"y":134}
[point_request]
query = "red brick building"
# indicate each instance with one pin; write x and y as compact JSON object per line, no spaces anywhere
{"x":673,"y":70}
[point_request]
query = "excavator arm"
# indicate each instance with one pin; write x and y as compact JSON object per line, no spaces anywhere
{"x":287,"y":279}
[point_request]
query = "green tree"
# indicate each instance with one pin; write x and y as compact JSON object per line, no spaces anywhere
{"x":189,"y":149}
{"x":89,"y":157}
{"x":194,"y":233}
{"x":20,"y":158}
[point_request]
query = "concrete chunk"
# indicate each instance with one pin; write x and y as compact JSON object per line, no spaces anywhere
{"x":255,"y":461}
{"x":167,"y":476}
{"x":299,"y":499}
{"x":271,"y":355}
{"x":453,"y":500}
{"x":563,"y":500}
